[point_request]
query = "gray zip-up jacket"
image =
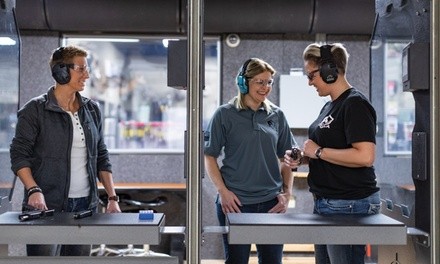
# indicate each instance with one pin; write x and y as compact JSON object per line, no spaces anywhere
{"x":43,"y":141}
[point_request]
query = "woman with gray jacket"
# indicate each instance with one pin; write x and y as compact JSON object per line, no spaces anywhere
{"x":58,"y":151}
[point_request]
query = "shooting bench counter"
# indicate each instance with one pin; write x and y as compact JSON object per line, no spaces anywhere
{"x":62,"y":228}
{"x":293,"y":228}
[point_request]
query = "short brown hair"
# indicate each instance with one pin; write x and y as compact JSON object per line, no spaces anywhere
{"x":66,"y":55}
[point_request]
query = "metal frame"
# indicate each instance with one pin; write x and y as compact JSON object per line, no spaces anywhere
{"x":435,"y":132}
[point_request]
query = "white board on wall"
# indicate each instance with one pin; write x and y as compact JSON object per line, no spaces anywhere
{"x":299,"y":101}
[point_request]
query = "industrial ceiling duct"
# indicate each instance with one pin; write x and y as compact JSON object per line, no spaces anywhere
{"x":350,"y":17}
{"x":31,"y":14}
{"x":256,"y":16}
{"x":107,"y":16}
{"x":220,"y":16}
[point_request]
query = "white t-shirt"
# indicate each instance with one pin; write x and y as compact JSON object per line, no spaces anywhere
{"x":79,"y":178}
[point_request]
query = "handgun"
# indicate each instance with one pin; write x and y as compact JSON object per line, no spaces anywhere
{"x":35,"y":214}
{"x":83,"y":214}
{"x":295,"y":153}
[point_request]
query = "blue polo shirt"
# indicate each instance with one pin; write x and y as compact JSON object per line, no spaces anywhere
{"x":253,"y":142}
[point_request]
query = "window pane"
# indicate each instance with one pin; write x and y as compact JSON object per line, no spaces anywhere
{"x":129,"y":80}
{"x":9,"y":95}
{"x":399,"y":105}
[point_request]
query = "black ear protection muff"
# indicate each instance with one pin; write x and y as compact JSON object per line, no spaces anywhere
{"x":242,"y":81}
{"x":328,"y":70}
{"x":60,"y":71}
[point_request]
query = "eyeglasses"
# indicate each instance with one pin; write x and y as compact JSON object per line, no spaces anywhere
{"x":79,"y":68}
{"x":263,"y":82}
{"x":311,"y":75}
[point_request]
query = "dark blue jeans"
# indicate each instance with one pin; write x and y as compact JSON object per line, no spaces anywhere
{"x":75,"y":205}
{"x":344,"y":254}
{"x":239,"y":254}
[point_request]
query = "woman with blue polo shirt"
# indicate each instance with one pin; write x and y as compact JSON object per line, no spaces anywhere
{"x":254,"y":135}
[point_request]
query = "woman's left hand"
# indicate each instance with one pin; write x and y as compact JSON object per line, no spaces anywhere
{"x":113,"y":207}
{"x":282,"y":205}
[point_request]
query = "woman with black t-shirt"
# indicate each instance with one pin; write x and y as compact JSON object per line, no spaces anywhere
{"x":340,"y":150}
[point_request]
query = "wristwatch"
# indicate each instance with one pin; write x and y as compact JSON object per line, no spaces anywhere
{"x":114,"y":198}
{"x":318,"y":152}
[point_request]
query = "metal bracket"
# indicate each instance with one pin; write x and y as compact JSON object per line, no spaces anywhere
{"x":173,"y":230}
{"x":222,"y":230}
{"x":422,"y":238}
{"x":216,"y":230}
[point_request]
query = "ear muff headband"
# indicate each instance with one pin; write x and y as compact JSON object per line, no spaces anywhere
{"x":328,"y":70}
{"x":60,"y":71}
{"x":241,"y":78}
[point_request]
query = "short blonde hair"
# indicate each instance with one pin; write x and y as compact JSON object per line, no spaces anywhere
{"x":340,"y":55}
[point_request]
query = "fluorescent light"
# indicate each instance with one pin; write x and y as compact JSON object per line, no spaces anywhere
{"x":7,"y":41}
{"x":104,"y":39}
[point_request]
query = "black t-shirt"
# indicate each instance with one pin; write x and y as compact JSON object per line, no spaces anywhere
{"x":349,"y":119}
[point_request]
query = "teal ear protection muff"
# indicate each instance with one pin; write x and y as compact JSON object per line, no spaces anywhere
{"x":60,"y":71}
{"x":241,"y":78}
{"x":328,"y":70}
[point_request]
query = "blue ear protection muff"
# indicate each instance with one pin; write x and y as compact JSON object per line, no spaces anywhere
{"x":241,"y":78}
{"x":60,"y":71}
{"x":328,"y":70}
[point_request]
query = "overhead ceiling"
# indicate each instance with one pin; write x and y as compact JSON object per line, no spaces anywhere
{"x":220,"y":16}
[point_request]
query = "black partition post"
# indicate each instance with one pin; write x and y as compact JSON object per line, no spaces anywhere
{"x":435,"y":130}
{"x":410,"y":21}
{"x":415,"y":75}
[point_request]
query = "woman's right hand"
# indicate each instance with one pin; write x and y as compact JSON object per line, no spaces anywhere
{"x":36,"y":200}
{"x":293,"y":160}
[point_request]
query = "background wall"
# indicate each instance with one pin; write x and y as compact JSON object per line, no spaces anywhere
{"x":283,"y":51}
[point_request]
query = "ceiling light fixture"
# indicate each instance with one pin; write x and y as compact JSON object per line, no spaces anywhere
{"x":105,"y":39}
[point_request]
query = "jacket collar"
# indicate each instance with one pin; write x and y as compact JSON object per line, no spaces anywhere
{"x":52,"y":103}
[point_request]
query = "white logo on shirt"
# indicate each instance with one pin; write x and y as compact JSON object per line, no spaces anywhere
{"x":325,"y":123}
